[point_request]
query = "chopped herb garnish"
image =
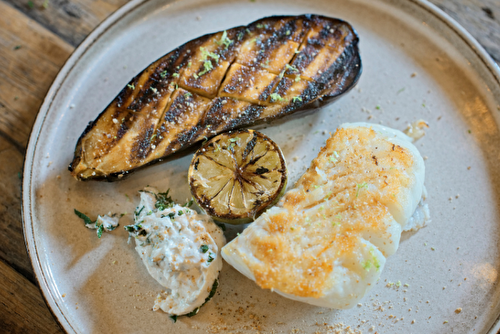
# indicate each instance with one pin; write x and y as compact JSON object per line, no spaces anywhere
{"x":163,"y":201}
{"x":222,"y":226}
{"x":232,"y":140}
{"x":297,"y":78}
{"x":401,"y":90}
{"x":224,"y":40}
{"x":210,"y":258}
{"x":292,"y":68}
{"x":375,"y":260}
{"x":163,"y":74}
{"x":205,"y":54}
{"x":45,"y":4}
{"x":188,"y":94}
{"x":147,"y":241}
{"x":296,"y":98}
{"x":260,"y":26}
{"x":137,"y":213}
{"x":154,"y":90}
{"x":195,"y":75}
{"x":189,"y":203}
{"x":276,"y":97}
{"x":180,"y":212}
{"x":332,"y":159}
{"x":131,"y":86}
{"x":377,"y":107}
{"x":361,"y":186}
{"x":204,"y":248}
{"x":31,"y":4}
{"x":175,"y":75}
{"x":134,"y":228}
{"x":86,"y":219}
{"x":174,"y":318}
{"x":17,"y":47}
{"x":152,"y":137}
{"x":208,"y":66}
{"x":100,"y":229}
{"x":266,"y":64}
{"x":288,"y":32}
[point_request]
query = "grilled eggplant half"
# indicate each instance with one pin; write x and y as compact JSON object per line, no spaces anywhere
{"x":274,"y":67}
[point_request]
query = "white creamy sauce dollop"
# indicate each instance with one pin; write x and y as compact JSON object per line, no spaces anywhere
{"x":180,"y":249}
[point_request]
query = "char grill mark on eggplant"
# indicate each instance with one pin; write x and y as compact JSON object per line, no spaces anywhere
{"x":244,"y":76}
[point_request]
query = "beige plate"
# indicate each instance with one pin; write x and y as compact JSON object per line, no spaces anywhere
{"x":100,"y":285}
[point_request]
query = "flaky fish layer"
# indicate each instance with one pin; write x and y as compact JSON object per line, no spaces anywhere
{"x":327,"y":240}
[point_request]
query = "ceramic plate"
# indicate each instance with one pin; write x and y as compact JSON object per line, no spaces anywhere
{"x":418,"y":64}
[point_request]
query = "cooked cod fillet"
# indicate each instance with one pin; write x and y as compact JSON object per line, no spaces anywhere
{"x":327,"y":240}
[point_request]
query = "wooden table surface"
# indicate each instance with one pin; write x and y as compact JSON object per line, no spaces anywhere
{"x":36,"y":38}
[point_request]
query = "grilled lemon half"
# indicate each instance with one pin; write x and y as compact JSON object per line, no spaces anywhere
{"x":235,"y":176}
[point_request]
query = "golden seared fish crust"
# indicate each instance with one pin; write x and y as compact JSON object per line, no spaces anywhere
{"x":326,"y":241}
{"x":244,"y":76}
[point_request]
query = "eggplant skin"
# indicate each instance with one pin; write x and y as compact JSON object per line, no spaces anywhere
{"x":273,"y":68}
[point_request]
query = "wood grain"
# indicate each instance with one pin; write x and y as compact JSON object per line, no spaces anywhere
{"x":23,"y":309}
{"x":479,"y":17}
{"x":30,"y":58}
{"x":12,"y":249}
{"x":72,"y":20}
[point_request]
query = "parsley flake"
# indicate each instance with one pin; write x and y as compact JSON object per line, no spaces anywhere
{"x":208,"y":66}
{"x":85,"y":218}
{"x":361,"y":186}
{"x":291,"y":68}
{"x":163,"y":201}
{"x":100,"y":229}
{"x":276,"y":97}
{"x":224,"y":40}
{"x":205,"y":54}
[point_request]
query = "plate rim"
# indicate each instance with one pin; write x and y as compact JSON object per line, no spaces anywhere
{"x":26,"y":194}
